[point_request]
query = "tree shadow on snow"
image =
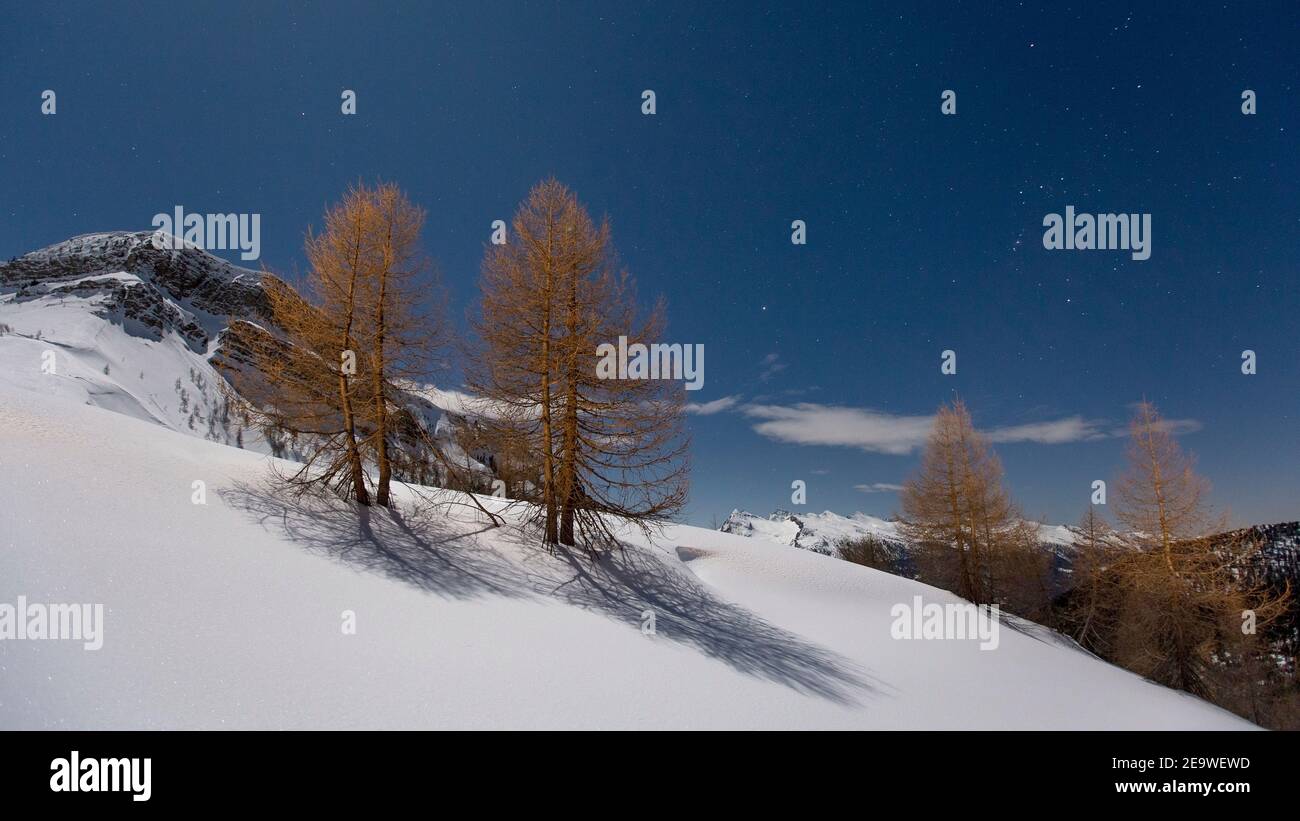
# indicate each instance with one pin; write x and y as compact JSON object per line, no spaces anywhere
{"x":443,"y":556}
{"x":630,"y":584}
{"x":430,"y":553}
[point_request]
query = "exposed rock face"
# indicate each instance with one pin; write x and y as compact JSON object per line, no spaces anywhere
{"x":1273,"y":559}
{"x":149,"y":290}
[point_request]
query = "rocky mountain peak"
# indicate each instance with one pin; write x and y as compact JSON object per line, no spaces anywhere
{"x":149,"y":290}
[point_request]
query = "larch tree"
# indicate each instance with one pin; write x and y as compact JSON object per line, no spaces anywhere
{"x":605,"y":449}
{"x":972,"y":537}
{"x":402,"y":338}
{"x":345,"y":342}
{"x":622,"y":449}
{"x":934,"y":516}
{"x":1160,"y":499}
{"x":514,"y":372}
{"x":1181,"y":599}
{"x":301,"y":380}
{"x":1089,"y":612}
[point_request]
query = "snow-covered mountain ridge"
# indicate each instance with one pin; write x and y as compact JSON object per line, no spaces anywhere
{"x":114,"y":322}
{"x":823,"y":532}
{"x":185,"y":290}
{"x":110,"y":320}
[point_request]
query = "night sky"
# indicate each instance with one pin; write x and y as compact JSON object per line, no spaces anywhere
{"x":924,"y":231}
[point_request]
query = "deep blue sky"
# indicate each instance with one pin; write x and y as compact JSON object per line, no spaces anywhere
{"x":924,"y":231}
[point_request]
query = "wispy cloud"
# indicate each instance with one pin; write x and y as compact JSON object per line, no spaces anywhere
{"x":1177,"y":427}
{"x":1070,"y":429}
{"x":878,"y":487}
{"x":1174,"y":427}
{"x":811,"y":424}
{"x":710,"y":408}
{"x":771,"y":365}
{"x":807,"y":423}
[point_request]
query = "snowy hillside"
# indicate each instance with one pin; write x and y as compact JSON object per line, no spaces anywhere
{"x":229,"y":614}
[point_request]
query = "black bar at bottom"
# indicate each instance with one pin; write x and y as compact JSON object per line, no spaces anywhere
{"x":534,"y":771}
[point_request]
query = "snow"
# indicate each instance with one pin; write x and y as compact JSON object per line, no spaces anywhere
{"x":824,"y":532}
{"x":819,"y":532}
{"x":142,"y":372}
{"x":229,"y":614}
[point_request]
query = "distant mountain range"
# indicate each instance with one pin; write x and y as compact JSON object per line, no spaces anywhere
{"x":1277,"y":559}
{"x":824,"y":532}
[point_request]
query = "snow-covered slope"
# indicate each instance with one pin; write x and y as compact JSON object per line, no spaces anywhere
{"x":230,"y":614}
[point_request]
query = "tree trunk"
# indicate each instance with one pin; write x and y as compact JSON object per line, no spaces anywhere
{"x":381,"y":402}
{"x":548,"y":462}
{"x":345,"y":397}
{"x":354,"y":455}
{"x":569,"y":430}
